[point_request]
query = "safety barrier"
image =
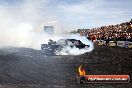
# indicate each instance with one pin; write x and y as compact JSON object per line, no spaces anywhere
{"x":125,"y":44}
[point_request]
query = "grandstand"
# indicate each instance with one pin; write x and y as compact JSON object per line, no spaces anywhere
{"x":110,"y":33}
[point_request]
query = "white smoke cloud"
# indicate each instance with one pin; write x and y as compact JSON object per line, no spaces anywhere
{"x":20,"y":23}
{"x":20,"y":26}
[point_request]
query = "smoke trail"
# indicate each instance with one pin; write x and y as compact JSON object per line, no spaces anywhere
{"x":20,"y":26}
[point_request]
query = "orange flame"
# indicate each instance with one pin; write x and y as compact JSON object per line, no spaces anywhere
{"x":81,"y":71}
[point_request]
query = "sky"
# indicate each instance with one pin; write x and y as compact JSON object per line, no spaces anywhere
{"x":69,"y":14}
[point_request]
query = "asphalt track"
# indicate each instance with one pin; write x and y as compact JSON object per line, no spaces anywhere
{"x":28,"y":68}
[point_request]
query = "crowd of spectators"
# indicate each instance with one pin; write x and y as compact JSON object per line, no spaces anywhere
{"x":119,"y":32}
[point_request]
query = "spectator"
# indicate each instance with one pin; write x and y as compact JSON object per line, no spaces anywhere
{"x":119,"y":32}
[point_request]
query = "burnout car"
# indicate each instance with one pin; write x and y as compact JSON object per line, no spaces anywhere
{"x":54,"y":47}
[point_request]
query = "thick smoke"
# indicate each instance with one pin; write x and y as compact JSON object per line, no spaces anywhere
{"x":20,"y":26}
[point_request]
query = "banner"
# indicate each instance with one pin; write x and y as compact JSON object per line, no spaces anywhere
{"x":123,"y":44}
